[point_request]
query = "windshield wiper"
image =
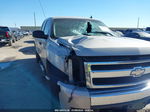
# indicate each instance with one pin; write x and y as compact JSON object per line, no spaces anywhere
{"x":86,"y":34}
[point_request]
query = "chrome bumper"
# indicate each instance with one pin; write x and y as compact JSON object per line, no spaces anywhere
{"x":83,"y":98}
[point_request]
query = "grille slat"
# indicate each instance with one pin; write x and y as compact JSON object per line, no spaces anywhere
{"x":119,"y":66}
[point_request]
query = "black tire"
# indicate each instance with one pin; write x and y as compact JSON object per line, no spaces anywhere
{"x":54,"y":88}
{"x":39,"y":61}
{"x":13,"y":41}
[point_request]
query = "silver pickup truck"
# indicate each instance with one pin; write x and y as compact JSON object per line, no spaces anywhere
{"x":91,"y":68}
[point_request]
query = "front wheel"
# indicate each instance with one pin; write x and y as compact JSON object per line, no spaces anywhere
{"x":54,"y":88}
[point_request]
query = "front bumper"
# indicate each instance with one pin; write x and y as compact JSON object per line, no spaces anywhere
{"x":84,"y":98}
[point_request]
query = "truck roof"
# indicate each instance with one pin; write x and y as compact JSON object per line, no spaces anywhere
{"x":65,"y":17}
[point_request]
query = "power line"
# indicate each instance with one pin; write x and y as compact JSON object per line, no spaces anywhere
{"x":42,"y":8}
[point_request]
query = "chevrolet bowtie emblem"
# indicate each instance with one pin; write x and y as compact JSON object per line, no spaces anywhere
{"x":137,"y":71}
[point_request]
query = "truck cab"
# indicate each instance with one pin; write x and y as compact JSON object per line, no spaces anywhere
{"x":89,"y":67}
{"x":6,"y":35}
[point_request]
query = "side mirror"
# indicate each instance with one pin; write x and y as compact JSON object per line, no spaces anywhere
{"x":39,"y":34}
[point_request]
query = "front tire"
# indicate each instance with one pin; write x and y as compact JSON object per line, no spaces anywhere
{"x":54,"y":88}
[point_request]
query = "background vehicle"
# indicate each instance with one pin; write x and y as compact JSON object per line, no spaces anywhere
{"x":147,"y":29}
{"x":131,"y":30}
{"x":16,"y":35}
{"x":25,"y":33}
{"x":139,"y":35}
{"x":119,"y":33}
{"x":6,"y":35}
{"x":21,"y":34}
{"x":89,"y":67}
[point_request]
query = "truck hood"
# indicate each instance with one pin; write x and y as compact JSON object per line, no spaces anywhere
{"x":105,"y":46}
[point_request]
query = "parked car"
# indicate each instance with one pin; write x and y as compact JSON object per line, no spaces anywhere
{"x":88,"y":67}
{"x":139,"y":35}
{"x":21,"y":34}
{"x":131,"y":30}
{"x":119,"y":33}
{"x":147,"y":29}
{"x":6,"y":35}
{"x":25,"y":33}
{"x":16,"y":35}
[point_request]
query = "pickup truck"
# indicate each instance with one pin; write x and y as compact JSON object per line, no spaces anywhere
{"x":89,"y":67}
{"x":6,"y":36}
{"x":147,"y":29}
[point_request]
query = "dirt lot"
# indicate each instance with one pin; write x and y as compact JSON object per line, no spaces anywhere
{"x":21,"y":83}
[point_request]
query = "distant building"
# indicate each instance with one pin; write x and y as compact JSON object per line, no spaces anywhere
{"x":30,"y":28}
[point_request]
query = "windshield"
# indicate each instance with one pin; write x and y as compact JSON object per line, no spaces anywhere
{"x":4,"y":29}
{"x":73,"y":27}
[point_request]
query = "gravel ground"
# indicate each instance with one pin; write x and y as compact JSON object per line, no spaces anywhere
{"x":21,"y":83}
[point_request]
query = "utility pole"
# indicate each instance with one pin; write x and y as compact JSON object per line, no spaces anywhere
{"x":34,"y":20}
{"x":138,"y":22}
{"x":15,"y":24}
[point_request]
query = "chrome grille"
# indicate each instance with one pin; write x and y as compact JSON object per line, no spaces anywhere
{"x":112,"y":74}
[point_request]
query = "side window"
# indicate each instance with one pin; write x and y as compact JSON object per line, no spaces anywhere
{"x":47,"y":28}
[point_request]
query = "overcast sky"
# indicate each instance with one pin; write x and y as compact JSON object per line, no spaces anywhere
{"x":114,"y":13}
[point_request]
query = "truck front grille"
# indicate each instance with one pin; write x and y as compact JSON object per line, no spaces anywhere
{"x":110,"y":74}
